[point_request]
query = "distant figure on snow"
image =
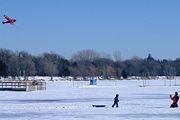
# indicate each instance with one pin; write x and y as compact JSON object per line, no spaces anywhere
{"x":34,"y":82}
{"x":116,"y":100}
{"x":175,"y":100}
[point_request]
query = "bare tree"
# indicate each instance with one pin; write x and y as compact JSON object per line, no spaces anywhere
{"x":117,"y":56}
{"x":110,"y":71}
{"x":13,"y":65}
{"x":106,"y":56}
{"x":26,"y":63}
{"x":48,"y":65}
{"x":85,"y":55}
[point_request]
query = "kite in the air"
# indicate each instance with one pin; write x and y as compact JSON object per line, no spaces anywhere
{"x":9,"y":20}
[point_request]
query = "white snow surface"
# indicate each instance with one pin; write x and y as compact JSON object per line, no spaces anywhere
{"x":68,"y":100}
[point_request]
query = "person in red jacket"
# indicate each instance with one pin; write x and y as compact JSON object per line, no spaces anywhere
{"x":175,"y":100}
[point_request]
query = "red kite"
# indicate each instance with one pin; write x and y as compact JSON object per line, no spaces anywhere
{"x":9,"y":20}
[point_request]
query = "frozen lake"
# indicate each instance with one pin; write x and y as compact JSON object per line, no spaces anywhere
{"x":68,"y":100}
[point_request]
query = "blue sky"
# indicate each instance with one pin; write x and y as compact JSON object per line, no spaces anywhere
{"x":133,"y":27}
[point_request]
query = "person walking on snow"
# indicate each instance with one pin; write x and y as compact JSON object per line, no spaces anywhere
{"x":175,"y":100}
{"x":116,"y":100}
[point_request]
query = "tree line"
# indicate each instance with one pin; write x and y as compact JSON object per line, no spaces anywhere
{"x":86,"y":64}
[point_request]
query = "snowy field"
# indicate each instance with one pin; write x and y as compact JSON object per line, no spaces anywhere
{"x":67,"y":100}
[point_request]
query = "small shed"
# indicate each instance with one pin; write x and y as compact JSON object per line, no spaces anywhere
{"x":93,"y":82}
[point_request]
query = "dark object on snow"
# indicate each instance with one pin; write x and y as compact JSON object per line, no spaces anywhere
{"x":175,"y":100}
{"x":35,"y":82}
{"x":116,"y":100}
{"x":99,"y":105}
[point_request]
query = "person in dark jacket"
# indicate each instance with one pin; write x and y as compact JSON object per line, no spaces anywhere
{"x":175,"y":100}
{"x":116,"y":100}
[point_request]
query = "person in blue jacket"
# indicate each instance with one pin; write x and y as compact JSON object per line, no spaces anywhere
{"x":116,"y":100}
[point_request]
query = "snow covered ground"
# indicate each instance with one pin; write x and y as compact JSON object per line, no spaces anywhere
{"x":67,"y":100}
